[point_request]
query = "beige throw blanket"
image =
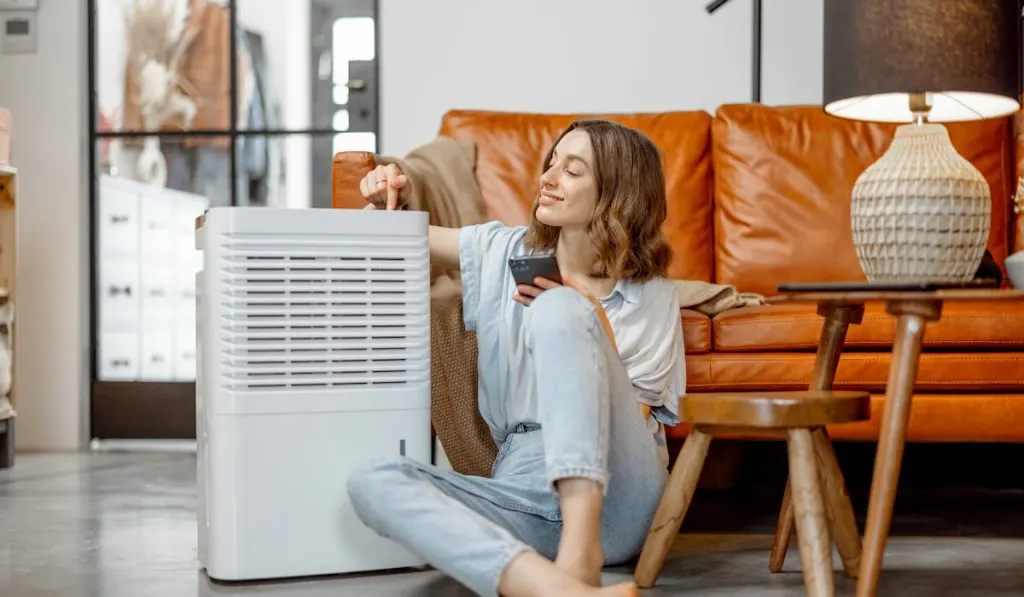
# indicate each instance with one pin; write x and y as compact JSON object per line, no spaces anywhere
{"x":712,"y":299}
{"x":443,"y":178}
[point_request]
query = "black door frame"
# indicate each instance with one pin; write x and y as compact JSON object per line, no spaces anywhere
{"x":145,"y":409}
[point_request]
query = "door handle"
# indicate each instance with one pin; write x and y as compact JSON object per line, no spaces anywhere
{"x":356,"y":85}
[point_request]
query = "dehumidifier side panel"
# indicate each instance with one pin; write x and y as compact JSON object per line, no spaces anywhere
{"x":215,"y":445}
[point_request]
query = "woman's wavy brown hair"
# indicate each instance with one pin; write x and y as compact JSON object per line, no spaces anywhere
{"x":631,"y":204}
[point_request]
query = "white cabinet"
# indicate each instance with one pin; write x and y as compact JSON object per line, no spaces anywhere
{"x":145,"y":282}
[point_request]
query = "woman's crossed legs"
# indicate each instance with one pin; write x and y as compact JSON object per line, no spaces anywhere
{"x":580,"y":491}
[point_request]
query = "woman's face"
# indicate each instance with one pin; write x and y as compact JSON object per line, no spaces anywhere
{"x":568,"y":187}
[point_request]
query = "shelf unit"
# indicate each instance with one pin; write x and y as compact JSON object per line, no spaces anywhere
{"x":8,"y":257}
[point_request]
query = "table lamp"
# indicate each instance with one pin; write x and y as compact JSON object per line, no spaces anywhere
{"x":922,"y":212}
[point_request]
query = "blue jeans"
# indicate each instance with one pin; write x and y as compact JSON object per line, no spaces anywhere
{"x":590,"y":426}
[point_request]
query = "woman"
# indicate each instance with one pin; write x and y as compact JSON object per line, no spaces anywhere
{"x":574,"y":388}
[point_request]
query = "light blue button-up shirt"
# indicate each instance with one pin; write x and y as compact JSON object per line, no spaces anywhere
{"x":644,"y":317}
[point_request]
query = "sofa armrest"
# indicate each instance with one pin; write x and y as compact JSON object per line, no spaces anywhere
{"x":347,"y":169}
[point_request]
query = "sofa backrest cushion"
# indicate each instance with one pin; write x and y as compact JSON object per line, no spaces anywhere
{"x":511,"y":149}
{"x":782,"y":182}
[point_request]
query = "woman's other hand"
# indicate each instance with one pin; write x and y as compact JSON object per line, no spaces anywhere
{"x":526,"y":293}
{"x":385,"y":187}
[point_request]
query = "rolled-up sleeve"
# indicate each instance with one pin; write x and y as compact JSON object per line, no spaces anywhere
{"x":483,"y":252}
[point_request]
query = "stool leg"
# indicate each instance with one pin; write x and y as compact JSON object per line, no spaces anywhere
{"x":838,"y":318}
{"x":842,"y":523}
{"x":675,"y":500}
{"x":783,"y":531}
{"x":809,"y":507}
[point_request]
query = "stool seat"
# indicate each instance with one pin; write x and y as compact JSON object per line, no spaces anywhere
{"x":778,"y":410}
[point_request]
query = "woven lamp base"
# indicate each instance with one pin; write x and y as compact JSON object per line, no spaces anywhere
{"x":921,"y":212}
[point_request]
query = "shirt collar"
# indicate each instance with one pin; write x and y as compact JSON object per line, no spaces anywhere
{"x":629,"y":291}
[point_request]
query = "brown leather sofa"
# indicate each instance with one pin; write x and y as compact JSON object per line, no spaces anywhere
{"x":759,"y":196}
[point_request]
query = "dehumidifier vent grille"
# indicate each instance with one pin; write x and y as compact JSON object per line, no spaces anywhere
{"x":334,"y":311}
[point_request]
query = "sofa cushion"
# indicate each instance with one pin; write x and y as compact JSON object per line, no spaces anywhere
{"x":696,"y":331}
{"x":934,"y":418}
{"x":783,"y":178}
{"x":698,"y":371}
{"x":868,"y":371}
{"x":511,"y":149}
{"x":964,"y":324}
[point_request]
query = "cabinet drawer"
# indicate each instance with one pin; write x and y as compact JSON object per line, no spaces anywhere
{"x":118,"y":224}
{"x":157,"y":226}
{"x":184,"y":299}
{"x":118,"y":294}
{"x":118,"y":356}
{"x":157,"y":302}
{"x":157,"y":354}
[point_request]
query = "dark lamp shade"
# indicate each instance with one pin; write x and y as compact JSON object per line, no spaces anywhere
{"x":963,"y":54}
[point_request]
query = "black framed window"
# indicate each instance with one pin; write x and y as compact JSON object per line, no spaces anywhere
{"x":193,"y":104}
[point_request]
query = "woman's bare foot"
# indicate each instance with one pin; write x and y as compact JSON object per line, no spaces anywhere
{"x":584,"y":567}
{"x":626,"y":589}
{"x":532,"y":575}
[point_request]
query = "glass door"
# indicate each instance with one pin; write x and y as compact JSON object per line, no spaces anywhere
{"x":194,"y":104}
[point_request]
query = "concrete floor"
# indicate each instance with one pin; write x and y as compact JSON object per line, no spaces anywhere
{"x":111,"y":525}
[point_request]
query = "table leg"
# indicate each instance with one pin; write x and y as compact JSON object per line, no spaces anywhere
{"x":838,"y":318}
{"x":912,"y":317}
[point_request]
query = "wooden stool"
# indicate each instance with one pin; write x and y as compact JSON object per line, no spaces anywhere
{"x":797,"y":417}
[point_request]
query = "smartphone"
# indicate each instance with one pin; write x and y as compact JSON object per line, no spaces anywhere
{"x":526,"y":268}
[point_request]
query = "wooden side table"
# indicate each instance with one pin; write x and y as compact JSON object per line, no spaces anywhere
{"x":913,"y":311}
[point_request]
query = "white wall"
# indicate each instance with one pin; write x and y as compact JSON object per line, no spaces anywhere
{"x":791,"y":60}
{"x":584,"y":56}
{"x":46,"y":94}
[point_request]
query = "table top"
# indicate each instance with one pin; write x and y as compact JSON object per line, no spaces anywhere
{"x":854,"y":296}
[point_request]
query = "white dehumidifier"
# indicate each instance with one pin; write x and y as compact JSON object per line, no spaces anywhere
{"x":314,"y":359}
